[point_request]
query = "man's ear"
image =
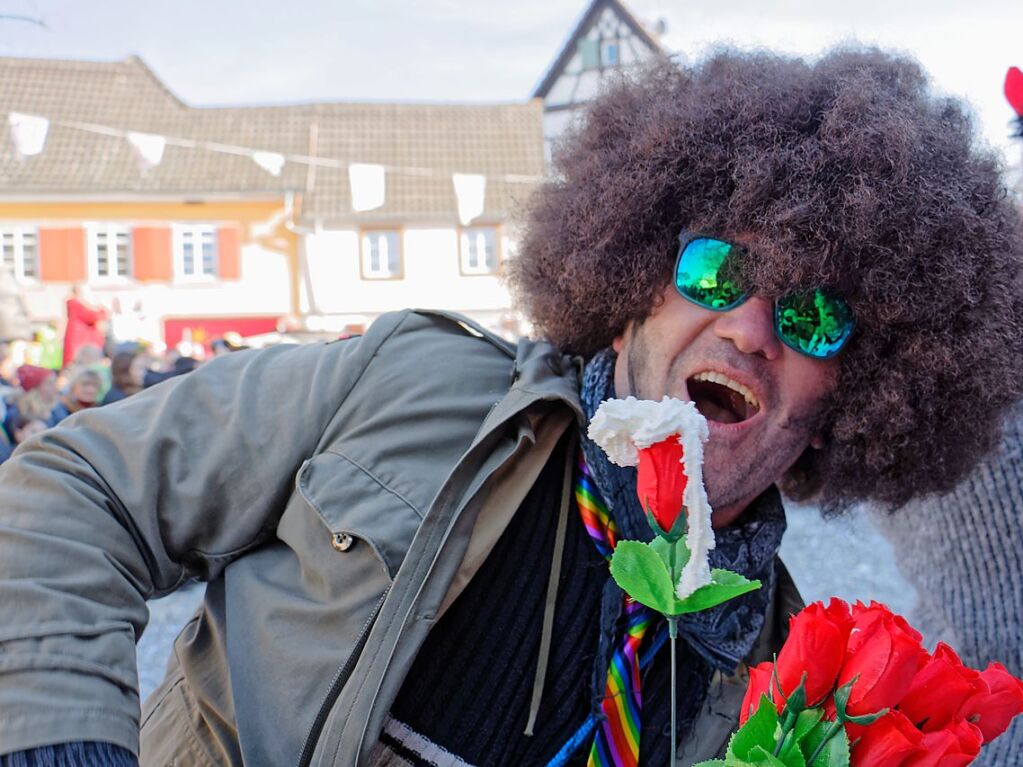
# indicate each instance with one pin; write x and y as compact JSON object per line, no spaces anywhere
{"x":817,"y":442}
{"x":619,"y":340}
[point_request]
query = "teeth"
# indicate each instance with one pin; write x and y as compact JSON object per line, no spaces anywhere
{"x":720,"y":378}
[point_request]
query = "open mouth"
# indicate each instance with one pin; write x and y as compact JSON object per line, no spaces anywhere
{"x":721,"y":399}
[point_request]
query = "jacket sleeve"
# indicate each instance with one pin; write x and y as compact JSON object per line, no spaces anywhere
{"x":121,"y":504}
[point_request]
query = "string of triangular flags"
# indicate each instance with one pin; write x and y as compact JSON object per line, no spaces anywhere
{"x":368,"y":181}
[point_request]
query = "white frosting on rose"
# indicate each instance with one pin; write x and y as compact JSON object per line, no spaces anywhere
{"x":622,"y":427}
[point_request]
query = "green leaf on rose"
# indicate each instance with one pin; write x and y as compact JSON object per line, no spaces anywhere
{"x":806,"y":721}
{"x":790,"y":754}
{"x":809,"y":742}
{"x":835,"y":752}
{"x":641,"y":570}
{"x":761,"y":755}
{"x":638,"y":569}
{"x":759,"y":730}
{"x":724,"y":585}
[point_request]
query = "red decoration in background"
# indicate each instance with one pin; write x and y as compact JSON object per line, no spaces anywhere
{"x":661,"y":481}
{"x":206,"y":329}
{"x":1014,"y":89}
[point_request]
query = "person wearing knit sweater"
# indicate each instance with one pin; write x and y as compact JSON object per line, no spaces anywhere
{"x":963,"y":552}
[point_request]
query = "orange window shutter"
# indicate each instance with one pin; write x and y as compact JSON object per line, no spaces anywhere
{"x":151,"y":253}
{"x":62,"y":254}
{"x":229,"y":253}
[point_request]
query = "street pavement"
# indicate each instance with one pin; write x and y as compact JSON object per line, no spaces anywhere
{"x":843,"y":557}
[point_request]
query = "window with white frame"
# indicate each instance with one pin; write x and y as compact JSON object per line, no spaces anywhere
{"x":195,"y":251}
{"x":381,"y":255}
{"x":478,"y":250}
{"x":109,"y":251}
{"x":19,"y":251}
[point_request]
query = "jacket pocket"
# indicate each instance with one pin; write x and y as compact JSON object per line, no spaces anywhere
{"x":356,"y":508}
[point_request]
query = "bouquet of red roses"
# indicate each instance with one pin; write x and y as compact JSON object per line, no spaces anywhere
{"x":856,"y":687}
{"x":850,"y":687}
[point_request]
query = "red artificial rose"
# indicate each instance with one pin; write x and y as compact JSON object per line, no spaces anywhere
{"x":816,"y":644}
{"x":939,"y":690}
{"x":661,"y":481}
{"x":883,"y":655}
{"x":954,"y":746}
{"x":885,"y":743}
{"x":759,"y":684}
{"x":994,"y":708}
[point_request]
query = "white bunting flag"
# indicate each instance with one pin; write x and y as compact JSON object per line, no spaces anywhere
{"x":28,"y":133}
{"x":367,"y":182}
{"x":470,"y":189}
{"x":149,"y":147}
{"x":271,"y":162}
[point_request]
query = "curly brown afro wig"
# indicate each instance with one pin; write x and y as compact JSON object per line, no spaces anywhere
{"x":851,"y":175}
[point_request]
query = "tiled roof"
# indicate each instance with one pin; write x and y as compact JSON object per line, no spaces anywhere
{"x":496,"y":140}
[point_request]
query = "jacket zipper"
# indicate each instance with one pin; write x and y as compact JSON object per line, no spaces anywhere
{"x":340,"y":678}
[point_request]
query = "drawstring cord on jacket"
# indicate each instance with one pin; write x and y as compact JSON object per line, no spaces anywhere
{"x":543,"y":656}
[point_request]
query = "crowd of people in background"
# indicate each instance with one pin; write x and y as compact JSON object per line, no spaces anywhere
{"x":100,"y":367}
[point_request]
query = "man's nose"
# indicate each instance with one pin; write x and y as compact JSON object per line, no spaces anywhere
{"x":750,"y":326}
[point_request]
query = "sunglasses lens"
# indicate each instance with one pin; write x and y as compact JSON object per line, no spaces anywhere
{"x":815,"y":324}
{"x":702,"y":274}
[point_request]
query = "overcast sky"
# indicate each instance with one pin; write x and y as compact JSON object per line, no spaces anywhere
{"x":265,"y":51}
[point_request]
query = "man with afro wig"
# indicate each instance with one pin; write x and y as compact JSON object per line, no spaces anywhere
{"x":817,"y":253}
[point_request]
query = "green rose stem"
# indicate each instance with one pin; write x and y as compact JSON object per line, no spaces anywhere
{"x":650,"y":572}
{"x":672,"y":636}
{"x":793,"y":706}
{"x":841,"y":716}
{"x":831,"y":732}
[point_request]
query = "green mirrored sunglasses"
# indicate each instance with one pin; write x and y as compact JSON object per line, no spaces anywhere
{"x":815,"y":323}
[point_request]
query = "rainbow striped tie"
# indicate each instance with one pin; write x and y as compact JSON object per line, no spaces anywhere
{"x":616,"y":739}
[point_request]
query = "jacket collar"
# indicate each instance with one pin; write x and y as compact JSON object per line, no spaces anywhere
{"x":540,"y":374}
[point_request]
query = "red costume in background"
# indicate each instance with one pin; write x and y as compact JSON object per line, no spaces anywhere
{"x":81,"y":328}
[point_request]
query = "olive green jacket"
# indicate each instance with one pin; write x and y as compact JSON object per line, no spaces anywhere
{"x":335,"y":497}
